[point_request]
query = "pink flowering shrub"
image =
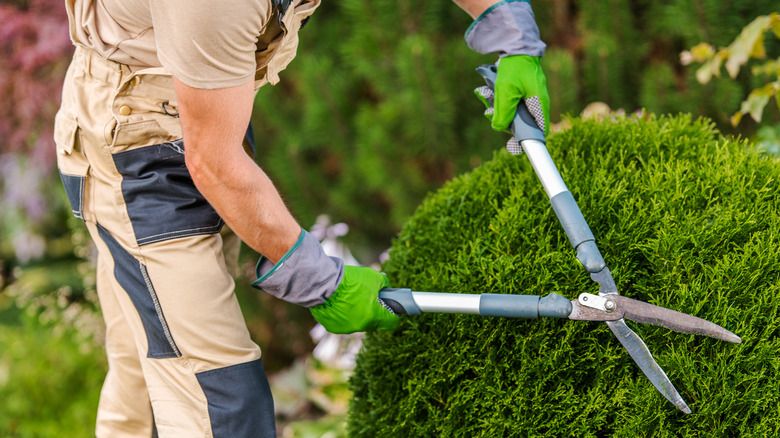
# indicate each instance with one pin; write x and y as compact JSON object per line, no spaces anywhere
{"x":34,"y":53}
{"x":34,"y":49}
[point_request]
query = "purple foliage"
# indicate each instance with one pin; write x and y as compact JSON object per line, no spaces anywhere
{"x":34,"y":49}
{"x":27,"y":184}
{"x":34,"y":53}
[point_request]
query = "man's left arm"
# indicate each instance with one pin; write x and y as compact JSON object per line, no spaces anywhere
{"x":474,"y":7}
{"x":508,"y":28}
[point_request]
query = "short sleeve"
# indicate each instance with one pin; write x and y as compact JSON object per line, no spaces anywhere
{"x":208,"y":44}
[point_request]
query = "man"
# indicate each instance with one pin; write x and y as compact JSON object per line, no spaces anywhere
{"x":151,"y":79}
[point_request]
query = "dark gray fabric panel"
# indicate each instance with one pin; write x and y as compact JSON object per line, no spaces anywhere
{"x":239,"y":401}
{"x":132,"y":276}
{"x":161,"y":198}
{"x":74,"y":188}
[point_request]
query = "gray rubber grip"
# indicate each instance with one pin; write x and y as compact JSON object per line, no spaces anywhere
{"x":512,"y":306}
{"x":524,"y":126}
{"x":571,"y":218}
{"x":589,"y":255}
{"x":578,"y":231}
{"x":400,"y":300}
{"x":555,"y":306}
{"x":524,"y":306}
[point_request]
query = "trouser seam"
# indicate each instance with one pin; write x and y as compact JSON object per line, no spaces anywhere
{"x":158,"y":309}
{"x":205,"y":417}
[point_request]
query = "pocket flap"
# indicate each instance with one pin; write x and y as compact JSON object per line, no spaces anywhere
{"x":65,"y":130}
{"x":146,"y":132}
{"x":70,"y":156}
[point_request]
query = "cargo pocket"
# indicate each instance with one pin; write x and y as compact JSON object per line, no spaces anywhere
{"x":71,"y":161}
{"x":161,"y":199}
{"x":145,"y":111}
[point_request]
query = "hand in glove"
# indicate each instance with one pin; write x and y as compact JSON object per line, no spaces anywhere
{"x":344,"y":299}
{"x":509,"y":29}
{"x":519,"y":77}
{"x":355,"y":305}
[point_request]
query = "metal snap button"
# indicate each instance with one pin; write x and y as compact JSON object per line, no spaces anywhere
{"x":125,"y":110}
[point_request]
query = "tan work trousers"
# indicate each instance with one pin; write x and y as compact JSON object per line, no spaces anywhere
{"x":181,"y":362}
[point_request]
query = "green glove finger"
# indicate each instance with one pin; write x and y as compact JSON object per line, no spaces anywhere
{"x":482,"y":94}
{"x":355,"y":305}
{"x":485,"y":95}
{"x":505,"y":105}
{"x":520,"y":77}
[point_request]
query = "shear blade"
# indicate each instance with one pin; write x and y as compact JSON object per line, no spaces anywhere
{"x":641,"y":355}
{"x":640,"y":311}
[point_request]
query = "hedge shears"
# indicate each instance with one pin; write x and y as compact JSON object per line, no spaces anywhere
{"x":608,"y":306}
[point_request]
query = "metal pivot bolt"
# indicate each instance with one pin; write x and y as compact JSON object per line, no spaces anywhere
{"x":597,"y":302}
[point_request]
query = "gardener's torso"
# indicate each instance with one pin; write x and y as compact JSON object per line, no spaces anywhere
{"x":205,"y":44}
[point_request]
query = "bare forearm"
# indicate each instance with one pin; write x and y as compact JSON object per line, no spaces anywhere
{"x":247,"y":200}
{"x":228,"y":178}
{"x":475,"y":7}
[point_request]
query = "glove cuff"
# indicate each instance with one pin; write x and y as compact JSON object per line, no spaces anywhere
{"x":305,"y":275}
{"x":507,"y":28}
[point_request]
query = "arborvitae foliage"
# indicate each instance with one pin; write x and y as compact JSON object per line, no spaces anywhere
{"x":686,"y":219}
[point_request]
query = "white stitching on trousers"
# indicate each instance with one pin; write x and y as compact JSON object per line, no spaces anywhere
{"x":158,"y":309}
{"x":180,"y":233}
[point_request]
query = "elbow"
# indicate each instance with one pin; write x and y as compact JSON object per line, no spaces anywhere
{"x":201,"y":167}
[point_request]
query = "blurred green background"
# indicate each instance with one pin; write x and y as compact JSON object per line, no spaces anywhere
{"x":376,"y":111}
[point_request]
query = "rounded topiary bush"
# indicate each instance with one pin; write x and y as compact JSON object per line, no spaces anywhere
{"x":686,"y":219}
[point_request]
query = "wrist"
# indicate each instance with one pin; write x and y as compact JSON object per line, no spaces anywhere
{"x":279,"y":237}
{"x":507,"y":28}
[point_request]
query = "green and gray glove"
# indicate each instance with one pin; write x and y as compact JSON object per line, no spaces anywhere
{"x":509,"y":29}
{"x":344,"y":299}
{"x":355,"y":305}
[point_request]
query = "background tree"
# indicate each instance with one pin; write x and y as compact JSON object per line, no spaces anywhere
{"x":377,"y":110}
{"x":34,"y":49}
{"x":749,"y":45}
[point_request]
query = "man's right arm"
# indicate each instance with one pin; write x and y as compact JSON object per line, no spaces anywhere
{"x":211,"y":55}
{"x":295,"y":268}
{"x":214,"y":123}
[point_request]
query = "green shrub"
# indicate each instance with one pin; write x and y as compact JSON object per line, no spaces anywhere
{"x":686,"y":219}
{"x":50,"y":381}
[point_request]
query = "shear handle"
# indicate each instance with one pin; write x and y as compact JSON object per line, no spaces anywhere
{"x":406,"y":302}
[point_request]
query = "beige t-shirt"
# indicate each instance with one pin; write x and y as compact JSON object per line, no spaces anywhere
{"x":203,"y":43}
